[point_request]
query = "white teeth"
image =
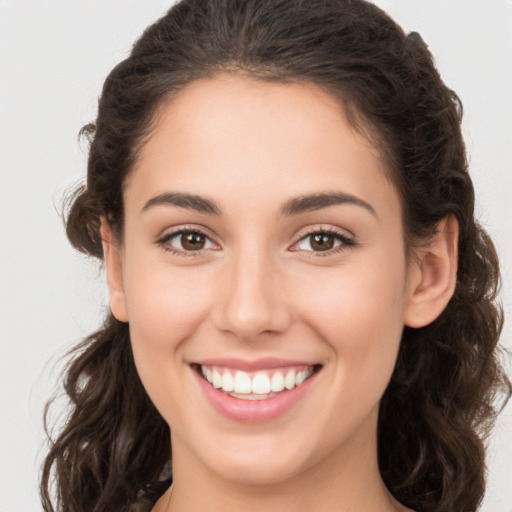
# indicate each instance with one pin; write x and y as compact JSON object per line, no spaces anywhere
{"x":259,"y":387}
{"x":216,"y":379}
{"x":228,"y":383}
{"x":300,"y":377}
{"x":289,"y":380}
{"x":242,"y":383}
{"x":277,"y":382}
{"x":261,"y":384}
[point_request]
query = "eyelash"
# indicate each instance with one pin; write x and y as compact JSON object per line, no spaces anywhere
{"x":164,"y":241}
{"x":346,"y":242}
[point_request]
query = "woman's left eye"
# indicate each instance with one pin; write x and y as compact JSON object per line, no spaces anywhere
{"x":323,"y":241}
{"x":186,"y":241}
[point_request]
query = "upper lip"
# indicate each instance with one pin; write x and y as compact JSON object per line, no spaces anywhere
{"x":254,"y":365}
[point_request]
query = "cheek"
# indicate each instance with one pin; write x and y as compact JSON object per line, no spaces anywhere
{"x":357,"y":300}
{"x":165,"y":306}
{"x":358,"y":312}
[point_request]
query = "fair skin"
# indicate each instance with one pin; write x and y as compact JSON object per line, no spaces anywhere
{"x":247,"y":276}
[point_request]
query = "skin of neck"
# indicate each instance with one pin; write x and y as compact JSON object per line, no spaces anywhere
{"x":348,"y":479}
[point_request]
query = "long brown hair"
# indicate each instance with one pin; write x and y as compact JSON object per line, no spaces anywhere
{"x":113,"y":451}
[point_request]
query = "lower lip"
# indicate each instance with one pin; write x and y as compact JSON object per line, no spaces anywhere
{"x":253,"y":411}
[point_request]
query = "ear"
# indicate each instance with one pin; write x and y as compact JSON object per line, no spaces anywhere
{"x":114,"y":268}
{"x":433,"y":275}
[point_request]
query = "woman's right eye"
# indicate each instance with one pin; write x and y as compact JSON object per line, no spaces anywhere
{"x":184,"y":241}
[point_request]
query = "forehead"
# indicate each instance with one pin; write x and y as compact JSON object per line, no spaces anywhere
{"x":234,"y":136}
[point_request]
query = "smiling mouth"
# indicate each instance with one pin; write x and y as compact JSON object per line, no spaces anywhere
{"x":259,"y":385}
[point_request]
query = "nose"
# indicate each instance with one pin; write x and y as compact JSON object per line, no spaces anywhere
{"x":251,"y":300}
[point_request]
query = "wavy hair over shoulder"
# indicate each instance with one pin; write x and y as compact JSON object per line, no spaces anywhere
{"x":113,"y":451}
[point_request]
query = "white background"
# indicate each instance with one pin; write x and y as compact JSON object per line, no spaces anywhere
{"x":54,"y":56}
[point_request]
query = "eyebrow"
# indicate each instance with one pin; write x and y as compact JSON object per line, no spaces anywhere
{"x":189,"y":201}
{"x":312,"y":202}
{"x":294,"y":206}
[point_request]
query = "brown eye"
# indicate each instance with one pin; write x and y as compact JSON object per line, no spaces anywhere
{"x":322,"y":241}
{"x":185,"y":241}
{"x":192,"y":241}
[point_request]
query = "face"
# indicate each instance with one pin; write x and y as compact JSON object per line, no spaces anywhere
{"x":263,"y":275}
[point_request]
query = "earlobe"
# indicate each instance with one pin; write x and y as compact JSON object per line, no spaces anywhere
{"x":113,"y":266}
{"x":433,"y":278}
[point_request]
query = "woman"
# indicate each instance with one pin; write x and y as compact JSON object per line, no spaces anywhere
{"x":302,"y":303}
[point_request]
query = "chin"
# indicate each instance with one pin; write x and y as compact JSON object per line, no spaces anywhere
{"x":260,"y":460}
{"x":257,"y":471}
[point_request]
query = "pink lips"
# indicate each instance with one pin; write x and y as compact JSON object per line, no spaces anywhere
{"x":253,"y":411}
{"x":252,"y":366}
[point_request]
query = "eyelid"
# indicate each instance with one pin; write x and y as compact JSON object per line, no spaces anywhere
{"x":347,"y":240}
{"x":325,"y":228}
{"x":167,"y":235}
